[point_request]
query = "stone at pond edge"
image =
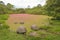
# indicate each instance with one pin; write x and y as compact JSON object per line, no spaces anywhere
{"x":34,"y":27}
{"x":35,"y":34}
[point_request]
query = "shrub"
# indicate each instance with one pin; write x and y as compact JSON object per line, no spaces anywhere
{"x":4,"y":26}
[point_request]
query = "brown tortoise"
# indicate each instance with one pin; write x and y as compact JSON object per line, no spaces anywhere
{"x":21,"y":30}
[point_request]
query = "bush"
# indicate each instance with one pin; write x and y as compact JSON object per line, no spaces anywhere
{"x":3,"y":17}
{"x":58,"y":17}
{"x":4,"y":26}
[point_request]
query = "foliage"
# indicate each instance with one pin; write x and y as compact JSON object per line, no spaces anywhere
{"x":36,"y":10}
{"x":3,"y":17}
{"x":53,"y":8}
{"x":5,"y":8}
{"x":19,"y":10}
{"x":10,"y":6}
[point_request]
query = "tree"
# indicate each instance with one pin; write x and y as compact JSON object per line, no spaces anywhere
{"x":2,"y":7}
{"x":53,"y":8}
{"x":28,"y":6}
{"x":20,"y":10}
{"x":5,"y":8}
{"x":1,"y":2}
{"x":10,"y":6}
{"x":39,"y":5}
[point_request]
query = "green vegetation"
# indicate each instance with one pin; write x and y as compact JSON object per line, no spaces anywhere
{"x":47,"y":32}
{"x":53,"y":8}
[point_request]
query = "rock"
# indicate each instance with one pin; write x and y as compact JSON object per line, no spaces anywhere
{"x":43,"y":35}
{"x":34,"y":27}
{"x":33,"y":34}
{"x":21,"y":30}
